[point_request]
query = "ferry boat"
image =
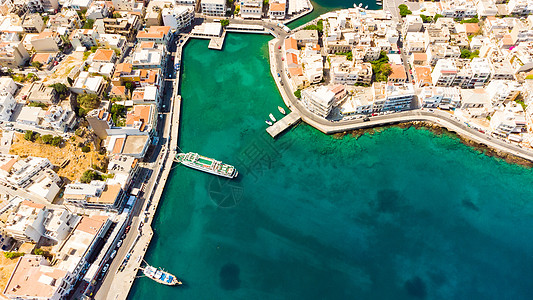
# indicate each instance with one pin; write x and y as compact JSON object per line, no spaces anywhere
{"x":206,"y":164}
{"x":281,"y":110}
{"x":161,"y":276}
{"x":272,"y":118}
{"x":269,"y":123}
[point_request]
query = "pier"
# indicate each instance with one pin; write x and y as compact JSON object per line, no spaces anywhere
{"x":283,"y":124}
{"x":217,"y":43}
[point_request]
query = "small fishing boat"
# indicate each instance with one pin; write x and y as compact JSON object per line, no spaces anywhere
{"x":366,"y":7}
{"x":360,"y":4}
{"x":281,"y":110}
{"x":269,"y":123}
{"x":272,"y":118}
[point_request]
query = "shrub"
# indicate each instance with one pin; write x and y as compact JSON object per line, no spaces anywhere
{"x":56,"y":141}
{"x":28,"y":135}
{"x":404,"y":10}
{"x":12,"y":254}
{"x":46,"y":139}
{"x":89,"y":176}
{"x":298,"y":94}
{"x":85,"y":149}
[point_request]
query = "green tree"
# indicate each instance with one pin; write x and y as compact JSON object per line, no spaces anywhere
{"x":117,"y":15}
{"x":437,"y":16}
{"x":85,"y":149}
{"x":404,"y":10}
{"x":37,"y":65}
{"x":39,"y":251}
{"x":225,"y":22}
{"x":89,"y":176}
{"x":88,"y":24}
{"x":471,"y":20}
{"x":426,"y":19}
{"x":265,"y":2}
{"x":56,"y":141}
{"x":88,"y":101}
{"x":28,"y":135}
{"x":60,"y":88}
{"x":47,"y":138}
{"x":298,"y":94}
{"x":385,"y":69}
{"x":37,"y":104}
{"x":117,"y":111}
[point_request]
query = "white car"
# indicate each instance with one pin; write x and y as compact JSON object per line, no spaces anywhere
{"x":119,"y":244}
{"x":113,"y":254}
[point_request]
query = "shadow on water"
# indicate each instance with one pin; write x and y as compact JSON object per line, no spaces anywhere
{"x":416,"y":287}
{"x":229,"y":277}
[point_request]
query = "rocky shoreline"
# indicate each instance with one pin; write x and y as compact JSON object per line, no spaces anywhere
{"x":439,"y":130}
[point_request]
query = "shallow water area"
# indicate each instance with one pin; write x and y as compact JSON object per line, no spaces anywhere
{"x":399,"y":214}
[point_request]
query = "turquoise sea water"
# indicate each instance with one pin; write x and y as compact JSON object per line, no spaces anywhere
{"x":400,"y":214}
{"x":323,"y":6}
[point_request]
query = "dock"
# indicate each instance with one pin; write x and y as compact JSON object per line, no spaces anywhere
{"x":284,"y":124}
{"x":216,"y":43}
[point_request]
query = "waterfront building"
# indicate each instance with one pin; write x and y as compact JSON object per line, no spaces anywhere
{"x":443,"y":97}
{"x":475,"y":103}
{"x":142,"y":117}
{"x":509,"y":120}
{"x":178,"y":17}
{"x":319,"y":100}
{"x":124,"y":168}
{"x":127,"y":141}
{"x":360,"y":102}
{"x":251,"y":9}
{"x":214,"y":8}
{"x":392,"y":97}
{"x":148,"y":55}
{"x":277,"y":9}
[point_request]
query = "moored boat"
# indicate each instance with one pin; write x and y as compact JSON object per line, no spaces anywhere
{"x":272,"y":118}
{"x":281,"y":110}
{"x":206,"y":164}
{"x":161,"y":276}
{"x":269,"y":123}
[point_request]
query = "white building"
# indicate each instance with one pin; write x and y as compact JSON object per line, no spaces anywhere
{"x":443,"y":97}
{"x":351,"y":73}
{"x":59,"y":118}
{"x":444,"y":73}
{"x":216,"y":8}
{"x":392,"y":97}
{"x":177,"y":17}
{"x":318,"y":100}
{"x":7,"y":106}
{"x":8,"y":85}
{"x":520,"y":7}
{"x":277,"y":9}
{"x":95,"y":195}
{"x":509,"y":120}
{"x":88,"y":84}
{"x":503,"y":91}
{"x":25,"y":169}
{"x":251,"y":9}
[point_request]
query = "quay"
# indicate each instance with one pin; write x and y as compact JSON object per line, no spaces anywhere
{"x":282,"y":125}
{"x":247,"y":28}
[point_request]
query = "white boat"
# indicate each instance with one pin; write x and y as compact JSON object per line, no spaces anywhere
{"x":281,"y":110}
{"x":161,"y":276}
{"x":206,"y":164}
{"x":269,"y":123}
{"x":272,"y":118}
{"x":366,"y":7}
{"x":360,"y":4}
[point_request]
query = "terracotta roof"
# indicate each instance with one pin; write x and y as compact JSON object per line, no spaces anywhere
{"x":123,"y":68}
{"x":154,"y":32}
{"x":103,"y":55}
{"x":108,"y":196}
{"x":41,"y":57}
{"x":139,"y":113}
{"x":44,"y":34}
{"x":90,"y":225}
{"x":292,"y":58}
{"x":117,"y":90}
{"x":117,"y":148}
{"x":420,"y":56}
{"x":137,"y":95}
{"x":296,"y":71}
{"x":423,"y":75}
{"x":471,"y":28}
{"x":8,"y":165}
{"x":32,"y":204}
{"x":291,"y":43}
{"x":275,"y":6}
{"x":398,"y":72}
{"x":147,"y":45}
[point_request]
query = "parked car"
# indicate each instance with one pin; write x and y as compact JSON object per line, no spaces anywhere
{"x":113,"y":254}
{"x":104,"y":269}
{"x":119,"y":244}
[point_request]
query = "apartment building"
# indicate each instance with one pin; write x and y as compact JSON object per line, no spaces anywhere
{"x":251,"y":9}
{"x":214,"y":8}
{"x":319,"y":100}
